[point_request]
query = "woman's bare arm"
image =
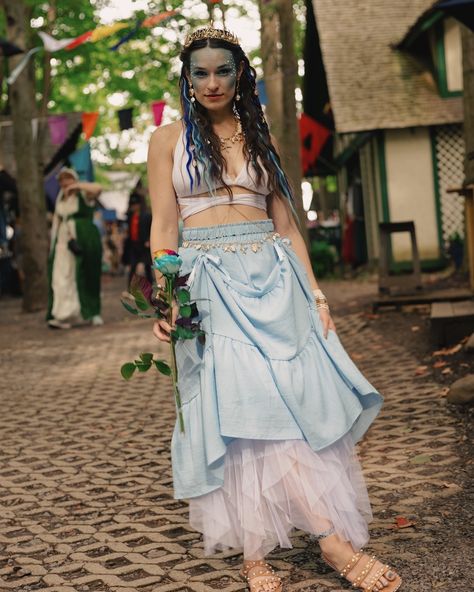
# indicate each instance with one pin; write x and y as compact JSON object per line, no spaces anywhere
{"x":164,"y":225}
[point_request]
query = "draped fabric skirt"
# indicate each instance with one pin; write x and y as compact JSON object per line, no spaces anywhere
{"x":272,"y":409}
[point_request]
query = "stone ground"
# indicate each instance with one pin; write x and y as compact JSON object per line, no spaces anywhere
{"x":86,"y":501}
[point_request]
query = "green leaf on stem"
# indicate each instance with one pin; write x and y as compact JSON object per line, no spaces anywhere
{"x":127,"y":370}
{"x":185,"y":311}
{"x":141,"y":301}
{"x":147,"y":358}
{"x":183,"y":296}
{"x":142,"y":366}
{"x":162,"y":367}
{"x":129,"y":307}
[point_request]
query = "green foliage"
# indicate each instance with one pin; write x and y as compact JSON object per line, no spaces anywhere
{"x":127,"y":370}
{"x":84,"y":78}
{"x":323,"y":258}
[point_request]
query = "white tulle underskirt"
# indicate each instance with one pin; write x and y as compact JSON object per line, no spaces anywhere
{"x":273,"y":486}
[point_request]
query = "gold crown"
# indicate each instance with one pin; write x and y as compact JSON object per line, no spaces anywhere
{"x":210,"y":32}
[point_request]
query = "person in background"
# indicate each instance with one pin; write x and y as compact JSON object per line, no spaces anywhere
{"x":138,"y":246}
{"x":75,"y":259}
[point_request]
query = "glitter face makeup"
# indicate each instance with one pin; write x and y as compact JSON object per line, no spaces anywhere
{"x":213,"y":75}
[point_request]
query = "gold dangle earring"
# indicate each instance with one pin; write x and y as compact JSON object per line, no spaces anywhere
{"x":237,"y":96}
{"x":192,"y":98}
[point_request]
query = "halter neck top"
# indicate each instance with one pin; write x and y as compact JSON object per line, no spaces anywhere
{"x":189,"y":200}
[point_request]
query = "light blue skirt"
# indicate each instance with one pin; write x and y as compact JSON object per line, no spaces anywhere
{"x":265,"y":371}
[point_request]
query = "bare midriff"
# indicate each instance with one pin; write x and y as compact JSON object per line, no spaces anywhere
{"x":225,"y":213}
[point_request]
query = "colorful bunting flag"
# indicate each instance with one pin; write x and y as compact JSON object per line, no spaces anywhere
{"x":21,"y":65}
{"x":57,"y":128}
{"x":157,"y":108}
{"x":156,"y":19}
{"x":79,"y":40}
{"x":51,"y":44}
{"x":125,"y":118}
{"x":89,"y":121}
{"x":128,"y":36}
{"x":106,"y":31}
{"x":313,"y":137}
{"x":81,"y":162}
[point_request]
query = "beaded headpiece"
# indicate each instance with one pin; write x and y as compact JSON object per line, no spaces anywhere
{"x":210,"y":32}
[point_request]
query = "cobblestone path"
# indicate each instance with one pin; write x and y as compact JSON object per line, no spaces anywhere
{"x":86,"y":499}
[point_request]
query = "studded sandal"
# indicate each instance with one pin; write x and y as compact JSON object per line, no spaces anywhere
{"x":266,"y":580}
{"x":366,"y":579}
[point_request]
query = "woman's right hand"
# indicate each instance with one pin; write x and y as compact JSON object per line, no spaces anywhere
{"x":161,"y":327}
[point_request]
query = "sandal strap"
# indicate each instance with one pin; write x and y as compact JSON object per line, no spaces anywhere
{"x":378,"y":574}
{"x":362,"y":575}
{"x":351,"y":563}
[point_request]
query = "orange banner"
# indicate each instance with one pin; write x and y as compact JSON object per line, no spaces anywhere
{"x":89,"y":121}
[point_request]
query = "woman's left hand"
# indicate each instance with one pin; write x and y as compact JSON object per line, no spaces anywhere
{"x":326,"y":321}
{"x":73,"y":188}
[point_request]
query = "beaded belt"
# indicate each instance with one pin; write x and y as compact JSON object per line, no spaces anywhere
{"x":242,"y":246}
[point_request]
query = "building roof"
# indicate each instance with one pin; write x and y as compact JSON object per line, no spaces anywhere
{"x":372,"y":85}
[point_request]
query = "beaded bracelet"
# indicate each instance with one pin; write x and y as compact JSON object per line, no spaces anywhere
{"x":320,"y":299}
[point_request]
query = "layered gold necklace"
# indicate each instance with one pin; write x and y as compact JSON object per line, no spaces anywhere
{"x":237,"y":136}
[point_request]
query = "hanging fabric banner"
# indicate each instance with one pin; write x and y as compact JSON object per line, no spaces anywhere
{"x":313,"y":137}
{"x":79,"y":40}
{"x":57,"y":128}
{"x":20,"y":66}
{"x":125,"y":118}
{"x":81,"y":162}
{"x":156,"y":19}
{"x":106,"y":31}
{"x":51,"y":44}
{"x":65,"y":150}
{"x":157,"y":108}
{"x":9,"y":49}
{"x":89,"y":121}
{"x":128,"y":36}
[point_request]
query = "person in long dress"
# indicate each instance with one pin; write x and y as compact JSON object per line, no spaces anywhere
{"x":75,"y":257}
{"x":272,"y":403}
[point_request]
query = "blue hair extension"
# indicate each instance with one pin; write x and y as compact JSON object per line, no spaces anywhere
{"x":193,"y":138}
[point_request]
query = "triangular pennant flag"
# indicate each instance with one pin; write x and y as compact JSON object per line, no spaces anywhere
{"x":128,"y":36}
{"x":79,"y":40}
{"x":89,"y":121}
{"x":157,"y":108}
{"x":313,"y":137}
{"x":81,"y":162}
{"x":51,"y":44}
{"x":156,"y":19}
{"x":106,"y":31}
{"x":57,"y":128}
{"x":65,"y":150}
{"x":125,"y":118}
{"x":21,"y":64}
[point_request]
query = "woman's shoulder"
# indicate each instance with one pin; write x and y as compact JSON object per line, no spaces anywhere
{"x":166,"y":135}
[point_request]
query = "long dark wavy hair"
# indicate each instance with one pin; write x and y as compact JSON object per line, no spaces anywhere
{"x":203,"y":145}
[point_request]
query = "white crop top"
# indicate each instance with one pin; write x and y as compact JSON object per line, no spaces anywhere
{"x":191,"y":203}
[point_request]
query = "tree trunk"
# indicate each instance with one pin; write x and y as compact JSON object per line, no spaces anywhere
{"x":34,"y":235}
{"x":291,"y":135}
{"x":272,"y":74}
{"x":279,"y":72}
{"x":468,"y":100}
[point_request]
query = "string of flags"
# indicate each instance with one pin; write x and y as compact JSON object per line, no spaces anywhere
{"x":52,"y":45}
